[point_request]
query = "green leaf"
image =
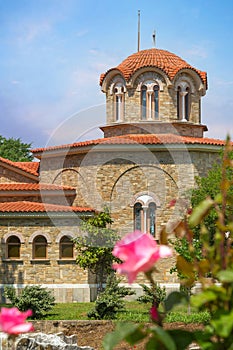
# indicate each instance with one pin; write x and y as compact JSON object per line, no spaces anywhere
{"x":173,"y":299}
{"x":153,"y":344}
{"x":223,"y":324}
{"x":225,"y":276}
{"x":122,"y":331}
{"x":200,"y":212}
{"x":164,"y":338}
{"x":203,"y":298}
{"x":182,"y":338}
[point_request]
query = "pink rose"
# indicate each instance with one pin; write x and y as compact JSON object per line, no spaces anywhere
{"x":12,"y":321}
{"x":154,"y":314}
{"x":139,"y":252}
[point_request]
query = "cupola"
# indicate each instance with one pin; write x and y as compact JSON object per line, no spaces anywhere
{"x":152,"y":90}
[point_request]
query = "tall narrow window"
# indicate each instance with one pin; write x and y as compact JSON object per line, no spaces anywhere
{"x":13,"y":247}
{"x":66,"y":248}
{"x":119,"y":102}
{"x":151,"y":218}
{"x":138,"y":216}
{"x":186,"y":101}
{"x":143,"y":102}
{"x":156,"y":101}
{"x":178,"y":103}
{"x":145,"y":217}
{"x":40,"y":248}
{"x":150,"y":101}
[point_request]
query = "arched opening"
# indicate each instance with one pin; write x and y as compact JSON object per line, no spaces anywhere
{"x":40,"y":247}
{"x":13,"y":247}
{"x":66,"y":248}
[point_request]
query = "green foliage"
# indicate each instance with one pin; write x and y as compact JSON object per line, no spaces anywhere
{"x":202,"y":317}
{"x":210,"y":222}
{"x":38,"y":299}
{"x":153,"y":294}
{"x":205,"y":193}
{"x":110,"y":301}
{"x":95,"y":246}
{"x":15,"y":149}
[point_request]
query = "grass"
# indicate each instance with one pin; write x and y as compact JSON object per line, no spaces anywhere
{"x":134,"y":312}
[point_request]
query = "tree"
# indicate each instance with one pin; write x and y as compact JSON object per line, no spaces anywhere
{"x":15,"y":149}
{"x":95,"y":246}
{"x":209,"y":187}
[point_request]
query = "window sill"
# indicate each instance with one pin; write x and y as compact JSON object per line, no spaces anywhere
{"x":66,"y":261}
{"x":40,"y":261}
{"x":13,"y":260}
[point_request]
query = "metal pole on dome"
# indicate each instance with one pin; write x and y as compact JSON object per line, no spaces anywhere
{"x":153,"y":38}
{"x":138,"y":30}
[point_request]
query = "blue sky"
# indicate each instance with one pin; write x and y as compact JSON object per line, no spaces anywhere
{"x":53,"y":52}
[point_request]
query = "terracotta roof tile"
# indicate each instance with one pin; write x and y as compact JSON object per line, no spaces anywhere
{"x":33,"y":207}
{"x":19,"y":186}
{"x":164,"y":60}
{"x":144,"y":139}
{"x":32,"y":167}
{"x":29,"y":167}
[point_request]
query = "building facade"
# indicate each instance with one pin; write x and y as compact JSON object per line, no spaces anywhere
{"x":152,"y":148}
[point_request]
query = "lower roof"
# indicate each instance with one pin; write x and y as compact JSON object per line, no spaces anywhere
{"x":142,"y":139}
{"x":35,"y":207}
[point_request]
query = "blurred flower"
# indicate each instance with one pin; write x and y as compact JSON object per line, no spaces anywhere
{"x":172,"y":203}
{"x":154,"y":314}
{"x":12,"y":321}
{"x":189,"y":211}
{"x":139,"y":252}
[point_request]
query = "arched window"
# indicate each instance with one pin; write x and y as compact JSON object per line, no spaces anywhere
{"x":138,"y":216}
{"x":40,"y":247}
{"x":151,"y":218}
{"x":13,"y":247}
{"x":145,"y":216}
{"x":186,"y":102}
{"x":143,"y":102}
{"x":119,"y":94}
{"x":155,"y":102}
{"x":178,"y":103}
{"x":66,"y":248}
{"x":149,"y":101}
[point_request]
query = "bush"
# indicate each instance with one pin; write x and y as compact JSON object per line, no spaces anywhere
{"x":38,"y":299}
{"x":110,"y":301}
{"x":154,"y":294}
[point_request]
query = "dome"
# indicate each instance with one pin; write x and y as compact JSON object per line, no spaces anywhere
{"x":168,"y":62}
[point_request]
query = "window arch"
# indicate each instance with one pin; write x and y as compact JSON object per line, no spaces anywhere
{"x":149,"y":101}
{"x":119,"y":101}
{"x":143,"y":102}
{"x":66,"y":248}
{"x":145,"y":214}
{"x":40,"y":247}
{"x":13,"y":247}
{"x":183,"y":102}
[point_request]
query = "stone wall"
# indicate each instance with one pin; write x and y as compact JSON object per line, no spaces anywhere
{"x":68,"y":281}
{"x":9,"y":176}
{"x":167,"y":100}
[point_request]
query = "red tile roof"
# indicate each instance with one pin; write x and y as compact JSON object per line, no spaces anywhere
{"x":34,"y":207}
{"x":29,"y":167}
{"x":144,"y":139}
{"x":165,"y":60}
{"x":19,"y":186}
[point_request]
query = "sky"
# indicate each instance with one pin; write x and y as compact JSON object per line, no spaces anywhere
{"x":53,"y":52}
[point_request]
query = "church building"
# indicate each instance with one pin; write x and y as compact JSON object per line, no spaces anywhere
{"x":152,"y":148}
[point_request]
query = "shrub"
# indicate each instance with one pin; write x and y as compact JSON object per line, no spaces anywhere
{"x":154,"y":294}
{"x":38,"y":299}
{"x":110,"y":301}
